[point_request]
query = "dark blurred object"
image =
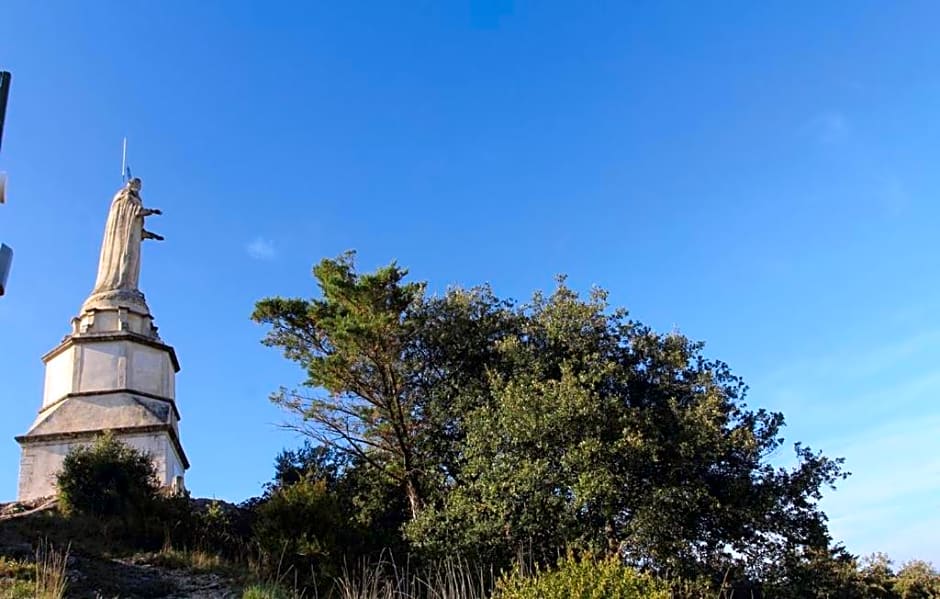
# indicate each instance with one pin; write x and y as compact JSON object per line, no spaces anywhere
{"x":5,"y":78}
{"x":6,"y":254}
{"x":6,"y":260}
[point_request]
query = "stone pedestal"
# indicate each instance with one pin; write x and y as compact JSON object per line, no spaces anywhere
{"x":113,"y":372}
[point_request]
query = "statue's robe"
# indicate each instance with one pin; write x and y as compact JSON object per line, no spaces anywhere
{"x":119,"y":266}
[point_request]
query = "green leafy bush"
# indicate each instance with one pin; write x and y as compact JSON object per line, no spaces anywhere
{"x":107,"y":478}
{"x":296,"y":528}
{"x":584,"y":578}
{"x":917,"y":580}
{"x":214,"y":527}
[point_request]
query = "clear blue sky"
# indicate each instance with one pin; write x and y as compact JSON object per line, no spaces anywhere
{"x":761,"y":175}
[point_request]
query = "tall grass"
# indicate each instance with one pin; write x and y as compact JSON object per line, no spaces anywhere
{"x":454,"y":579}
{"x":457,"y":580}
{"x":387,"y":580}
{"x":51,"y":577}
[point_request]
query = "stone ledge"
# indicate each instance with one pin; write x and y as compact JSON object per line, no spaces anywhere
{"x":122,"y":336}
{"x":118,"y":432}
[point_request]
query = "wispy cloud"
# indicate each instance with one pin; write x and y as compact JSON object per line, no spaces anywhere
{"x":829,"y":127}
{"x":261,"y":249}
{"x":852,"y":362}
{"x":873,"y":405}
{"x":892,"y":491}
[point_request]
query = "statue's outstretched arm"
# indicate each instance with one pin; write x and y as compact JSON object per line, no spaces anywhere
{"x":148,"y":235}
{"x":149,"y":211}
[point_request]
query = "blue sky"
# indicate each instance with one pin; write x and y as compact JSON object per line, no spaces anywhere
{"x":761,"y":175}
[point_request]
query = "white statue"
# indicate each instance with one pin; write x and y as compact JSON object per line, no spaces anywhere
{"x":119,"y":266}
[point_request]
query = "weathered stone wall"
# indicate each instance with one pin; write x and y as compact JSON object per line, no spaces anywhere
{"x":84,"y":367}
{"x":41,"y":461}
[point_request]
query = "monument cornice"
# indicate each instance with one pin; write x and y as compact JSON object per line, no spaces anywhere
{"x":80,"y":338}
{"x":120,"y":431}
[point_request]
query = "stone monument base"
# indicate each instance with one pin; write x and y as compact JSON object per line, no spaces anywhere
{"x":42,"y":457}
{"x":112,"y":373}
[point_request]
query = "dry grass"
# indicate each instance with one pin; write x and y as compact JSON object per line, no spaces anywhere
{"x":387,"y":580}
{"x":14,"y":569}
{"x":43,"y":579}
{"x":16,"y":589}
{"x":51,"y":577}
{"x":178,"y":559}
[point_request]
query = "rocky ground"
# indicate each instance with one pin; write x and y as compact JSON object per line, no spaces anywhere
{"x":95,"y":576}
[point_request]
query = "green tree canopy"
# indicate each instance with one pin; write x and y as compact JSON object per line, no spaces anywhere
{"x":352,"y":345}
{"x":560,"y":422}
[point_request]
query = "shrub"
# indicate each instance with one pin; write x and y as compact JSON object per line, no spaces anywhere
{"x":917,"y":580}
{"x":107,"y":478}
{"x":584,"y":578}
{"x":296,"y":528}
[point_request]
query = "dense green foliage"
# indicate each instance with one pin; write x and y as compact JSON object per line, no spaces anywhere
{"x":107,"y":478}
{"x":322,"y":512}
{"x":298,"y":526}
{"x":526,"y":428}
{"x":351,"y":344}
{"x":605,"y":435}
{"x":915,"y":579}
{"x":582,"y":579}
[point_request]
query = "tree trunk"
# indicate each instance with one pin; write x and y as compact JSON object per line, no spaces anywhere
{"x":414,"y":498}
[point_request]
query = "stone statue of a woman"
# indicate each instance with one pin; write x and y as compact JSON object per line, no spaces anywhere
{"x":119,"y":265}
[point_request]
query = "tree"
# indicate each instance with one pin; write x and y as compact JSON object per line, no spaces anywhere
{"x":878,"y":576}
{"x":351,"y":343}
{"x":309,"y":462}
{"x":811,"y":572}
{"x":559,"y":422}
{"x":917,"y":579}
{"x":398,"y":369}
{"x":606,"y":435}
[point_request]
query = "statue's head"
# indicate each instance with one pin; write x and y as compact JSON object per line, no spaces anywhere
{"x":134,"y":184}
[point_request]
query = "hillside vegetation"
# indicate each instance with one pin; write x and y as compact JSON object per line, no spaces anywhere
{"x":465,"y":446}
